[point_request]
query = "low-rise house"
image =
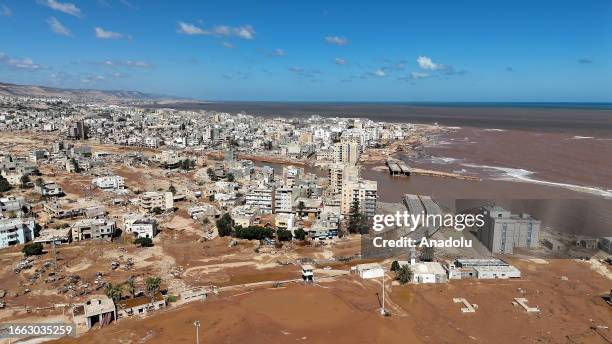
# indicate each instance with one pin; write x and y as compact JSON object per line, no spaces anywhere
{"x":99,"y":229}
{"x":16,"y":231}
{"x":50,"y":189}
{"x":428,"y":272}
{"x":490,"y":268}
{"x":12,"y":177}
{"x":199,"y":293}
{"x":367,"y":271}
{"x":140,"y":305}
{"x":109,"y":182}
{"x":95,"y":311}
{"x":323,"y":230}
{"x":54,"y":235}
{"x":13,"y":204}
{"x":198,"y":211}
{"x":141,"y":227}
{"x":63,"y":210}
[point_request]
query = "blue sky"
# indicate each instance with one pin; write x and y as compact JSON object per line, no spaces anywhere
{"x":315,"y":50}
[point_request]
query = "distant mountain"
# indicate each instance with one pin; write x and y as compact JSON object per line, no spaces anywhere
{"x":82,"y":95}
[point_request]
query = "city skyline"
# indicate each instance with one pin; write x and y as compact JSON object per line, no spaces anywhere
{"x":477,"y":51}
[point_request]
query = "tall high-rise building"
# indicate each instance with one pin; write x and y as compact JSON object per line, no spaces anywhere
{"x":355,"y":188}
{"x":346,"y":152}
{"x":78,"y":130}
{"x":503,"y":231}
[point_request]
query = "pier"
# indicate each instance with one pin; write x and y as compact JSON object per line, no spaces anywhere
{"x":398,"y":168}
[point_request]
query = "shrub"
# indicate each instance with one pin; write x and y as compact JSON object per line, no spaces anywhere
{"x":144,"y":242}
{"x":32,"y":249}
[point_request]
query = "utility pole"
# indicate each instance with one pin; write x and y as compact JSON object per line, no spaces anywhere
{"x":197,"y":326}
{"x":54,"y":252}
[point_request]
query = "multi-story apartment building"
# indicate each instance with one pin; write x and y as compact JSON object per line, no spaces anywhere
{"x":93,"y":229}
{"x":261,"y":197}
{"x":364,"y":191}
{"x":151,"y":200}
{"x":346,"y":152}
{"x":283,"y":200}
{"x":503,"y":231}
{"x":16,"y":231}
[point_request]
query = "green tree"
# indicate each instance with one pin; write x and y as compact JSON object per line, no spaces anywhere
{"x":25,"y":181}
{"x":300,"y":234}
{"x":211,"y":174}
{"x":395,"y":266}
{"x":157,"y":210}
{"x":153,"y":285}
{"x":283,"y":235}
{"x":4,"y":184}
{"x":32,"y":249}
{"x":172,"y":189}
{"x":404,"y":274}
{"x":75,"y":163}
{"x":225,"y":225}
{"x":253,"y":233}
{"x":130,"y":286}
{"x":230,"y":177}
{"x":143,"y":242}
{"x":301,"y":207}
{"x":113,"y":291}
{"x":357,"y":222}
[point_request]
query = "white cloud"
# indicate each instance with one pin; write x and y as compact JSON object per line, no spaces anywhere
{"x":58,"y":27}
{"x":246,"y":31}
{"x":426,"y":63}
{"x":277,"y":52}
{"x":66,"y":7}
{"x":124,"y":63}
{"x":418,"y":75}
{"x":25,"y":63}
{"x":340,"y":61}
{"x":93,"y":79}
{"x":190,"y":29}
{"x":380,"y":73}
{"x":227,"y":45}
{"x":103,"y":34}
{"x":337,"y":40}
{"x":5,"y":11}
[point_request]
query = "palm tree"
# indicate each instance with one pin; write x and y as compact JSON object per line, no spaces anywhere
{"x":130,"y":287}
{"x":113,"y":291}
{"x":153,"y":285}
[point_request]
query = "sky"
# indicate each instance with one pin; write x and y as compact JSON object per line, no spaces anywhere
{"x":431,"y":50}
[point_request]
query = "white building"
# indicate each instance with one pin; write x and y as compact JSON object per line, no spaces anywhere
{"x":283,"y":200}
{"x":428,"y":272}
{"x":366,"y":271}
{"x":151,"y":200}
{"x":140,"y":227}
{"x":109,"y":182}
{"x":16,"y":231}
{"x":361,"y":190}
{"x":262,"y":198}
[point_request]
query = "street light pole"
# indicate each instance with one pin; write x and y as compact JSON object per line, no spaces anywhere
{"x":197,"y":326}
